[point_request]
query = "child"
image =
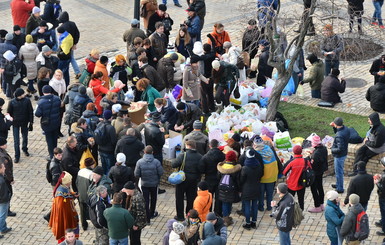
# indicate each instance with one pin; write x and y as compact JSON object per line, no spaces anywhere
{"x":203,"y":201}
{"x":13,"y":73}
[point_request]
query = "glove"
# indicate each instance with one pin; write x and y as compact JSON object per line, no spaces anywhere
{"x":30,"y":126}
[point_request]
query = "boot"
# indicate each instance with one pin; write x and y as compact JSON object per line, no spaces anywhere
{"x":219,"y":107}
{"x":227,"y":221}
{"x":36,"y":96}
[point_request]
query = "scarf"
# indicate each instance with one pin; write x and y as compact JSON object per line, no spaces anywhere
{"x":58,"y":85}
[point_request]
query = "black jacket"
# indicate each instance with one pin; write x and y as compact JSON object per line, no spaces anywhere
{"x":376,"y":96}
{"x":18,"y":40}
{"x":131,"y":146}
{"x":320,"y":159}
{"x":284,"y":213}
{"x":51,"y":63}
{"x":55,"y":168}
{"x":381,"y":186}
{"x":69,"y":26}
{"x":263,"y":67}
{"x":4,"y":190}
{"x":4,"y":126}
{"x":151,"y":74}
{"x":22,"y":112}
{"x":191,"y":169}
{"x":231,"y":195}
{"x":8,"y":164}
{"x":362,"y":185}
{"x":376,"y":137}
{"x":251,"y":175}
{"x":330,"y":88}
{"x":377,"y":66}
{"x":250,"y":41}
{"x":91,"y":118}
{"x":110,"y":140}
{"x":78,"y":107}
{"x":208,"y":165}
{"x":166,"y":71}
{"x":97,"y":207}
{"x":70,"y":163}
{"x":152,"y":21}
{"x":119,"y":175}
{"x":154,"y":137}
{"x":187,"y":118}
{"x":340,"y":144}
{"x":169,"y":114}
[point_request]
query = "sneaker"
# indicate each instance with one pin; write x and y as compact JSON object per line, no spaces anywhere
{"x":334,"y":186}
{"x":380,"y":233}
{"x":11,"y":214}
{"x":178,"y":5}
{"x":247,"y":226}
{"x":378,"y":224}
{"x":253,"y":225}
{"x":26,"y":153}
{"x":374,"y":23}
{"x":315,"y":210}
{"x":8,"y":229}
{"x":156,"y":214}
{"x":161,"y":191}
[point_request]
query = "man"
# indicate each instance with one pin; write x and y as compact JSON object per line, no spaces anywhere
{"x":193,"y":24}
{"x":120,"y":173}
{"x":70,"y":238}
{"x":200,"y":9}
{"x":99,"y":179}
{"x":362,"y":185}
{"x":135,"y":204}
{"x":20,"y":12}
{"x":176,"y":3}
{"x":331,"y":86}
{"x":188,"y":187}
{"x":283,"y":213}
{"x":219,"y":226}
{"x":378,"y":68}
{"x":5,"y":121}
{"x":355,"y":9}
{"x":160,"y":16}
{"x":132,"y":33}
{"x":107,"y":146}
{"x":33,"y":21}
{"x":374,"y":142}
{"x":188,"y":114}
{"x":166,"y":70}
{"x":376,"y":95}
{"x":339,"y":151}
{"x":4,"y":199}
{"x":70,"y":160}
{"x":151,"y":74}
{"x":6,"y":159}
{"x":46,"y":59}
{"x":149,"y":170}
{"x":379,"y":180}
{"x":131,"y":146}
{"x":42,"y":35}
{"x":20,"y":109}
{"x":18,"y":37}
{"x":159,"y":40}
{"x":201,"y":140}
{"x":98,"y":203}
{"x":83,"y":182}
{"x":154,"y":136}
{"x":250,"y":40}
{"x":316,"y":75}
{"x":331,"y":47}
{"x":66,"y":44}
{"x":4,"y":47}
{"x":119,"y":221}
{"x":264,"y":69}
{"x":48,"y":108}
{"x":348,"y":227}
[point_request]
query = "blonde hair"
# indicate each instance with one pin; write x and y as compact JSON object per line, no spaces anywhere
{"x":58,"y":71}
{"x":94,"y":52}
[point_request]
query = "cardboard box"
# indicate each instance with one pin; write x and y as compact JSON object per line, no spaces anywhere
{"x":168,"y":152}
{"x":170,"y":143}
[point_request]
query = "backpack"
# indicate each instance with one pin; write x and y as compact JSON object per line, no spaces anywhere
{"x":362,"y":226}
{"x":100,"y":134}
{"x":298,"y":215}
{"x":48,"y":173}
{"x":226,"y":184}
{"x":307,"y":176}
{"x":167,"y":24}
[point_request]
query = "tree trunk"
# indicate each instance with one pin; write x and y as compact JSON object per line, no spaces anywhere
{"x":275,"y":97}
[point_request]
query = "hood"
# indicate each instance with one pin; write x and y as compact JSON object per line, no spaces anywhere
{"x":318,"y":64}
{"x":251,"y":162}
{"x":30,"y":46}
{"x":208,"y":230}
{"x":169,"y":224}
{"x":356,"y":209}
{"x":174,"y":237}
{"x":74,"y":87}
{"x":203,"y":193}
{"x":228,"y":168}
{"x":147,"y":157}
{"x":166,"y":61}
{"x":379,"y":86}
{"x":75,"y":129}
{"x":105,"y":180}
{"x":80,"y":99}
{"x":64,"y":17}
{"x":375,"y":118}
{"x":129,"y":139}
{"x":88,"y":113}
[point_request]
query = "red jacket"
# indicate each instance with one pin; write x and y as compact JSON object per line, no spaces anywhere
{"x":293,"y":171}
{"x":99,"y":91}
{"x":21,"y":11}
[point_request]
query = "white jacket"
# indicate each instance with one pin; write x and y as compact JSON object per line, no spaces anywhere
{"x":175,"y":239}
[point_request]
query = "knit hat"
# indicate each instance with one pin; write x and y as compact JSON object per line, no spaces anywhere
{"x":29,"y":39}
{"x":46,"y":49}
{"x":315,"y":140}
{"x":354,"y":199}
{"x":258,"y":140}
{"x":89,"y":162}
{"x":312,"y":58}
{"x":211,"y":216}
{"x":43,"y":23}
{"x":156,"y":117}
{"x":178,"y":228}
{"x":252,"y":22}
{"x":231,"y":156}
{"x":297,"y":149}
{"x":174,"y":56}
{"x":361,"y":166}
{"x":35,"y":10}
{"x":135,"y":22}
{"x":121,"y":158}
{"x":116,"y":107}
{"x":197,"y":124}
{"x":194,"y":59}
{"x":119,"y":58}
{"x":60,"y":29}
{"x":16,"y":28}
{"x":98,"y":170}
{"x":338,"y":121}
{"x":227,"y":44}
{"x":67,"y":179}
{"x":282,"y":187}
{"x":2,"y":101}
{"x":47,"y":89}
{"x":82,"y":90}
{"x":215,"y":64}
{"x":107,"y":114}
{"x":162,"y":7}
{"x":9,"y":37}
{"x":236,"y":137}
{"x":18,"y":92}
{"x":9,"y":55}
{"x":3,"y":141}
{"x":250,"y":152}
{"x":193,"y":214}
{"x":180,"y":106}
{"x":332,"y":195}
{"x":129,"y":185}
{"x":203,"y":185}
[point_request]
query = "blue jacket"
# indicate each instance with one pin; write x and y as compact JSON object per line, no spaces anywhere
{"x":194,"y":29}
{"x":149,"y":170}
{"x":4,"y":47}
{"x":210,"y":236}
{"x":49,"y":37}
{"x":341,"y":141}
{"x":169,"y":114}
{"x":49,"y":106}
{"x":334,"y":217}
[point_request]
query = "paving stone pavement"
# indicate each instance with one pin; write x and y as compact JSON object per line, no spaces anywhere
{"x":102,"y":24}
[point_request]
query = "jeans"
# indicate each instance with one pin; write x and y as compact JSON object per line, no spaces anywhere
{"x":316,"y":94}
{"x":3,"y":215}
{"x":108,"y":160}
{"x":30,"y":85}
{"x":381,"y":202}
{"x":339,"y":171}
{"x":74,"y":63}
{"x":226,"y":208}
{"x":250,"y":208}
{"x":377,"y":11}
{"x":51,"y":139}
{"x":175,"y":2}
{"x":301,"y":196}
{"x":123,"y":241}
{"x":16,"y":138}
{"x":64,"y":66}
{"x":317,"y":191}
{"x":150,"y":193}
{"x":329,"y":64}
{"x":284,"y":238}
{"x":267,"y":188}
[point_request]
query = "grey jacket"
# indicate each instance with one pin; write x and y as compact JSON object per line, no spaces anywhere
{"x":348,"y":227}
{"x":149,"y":170}
{"x":332,"y":44}
{"x":201,"y":140}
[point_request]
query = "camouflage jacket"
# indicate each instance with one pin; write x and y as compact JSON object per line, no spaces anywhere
{"x":137,"y":208}
{"x":8,"y":163}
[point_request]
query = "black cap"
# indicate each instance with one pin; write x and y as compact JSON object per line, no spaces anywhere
{"x":16,"y":28}
{"x":203,"y":186}
{"x":129,"y":185}
{"x":18,"y":92}
{"x":156,"y":117}
{"x":180,"y":106}
{"x":98,"y":170}
{"x":82,"y":90}
{"x":43,"y":23}
{"x":47,"y":89}
{"x":162,"y":7}
{"x":338,"y":121}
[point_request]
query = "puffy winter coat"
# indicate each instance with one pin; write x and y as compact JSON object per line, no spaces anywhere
{"x":316,"y":75}
{"x":154,"y":137}
{"x":28,"y":53}
{"x":218,"y":39}
{"x":131,"y":147}
{"x":319,"y":159}
{"x":49,"y":106}
{"x":208,"y":165}
{"x":4,"y":47}
{"x":294,"y":171}
{"x":79,"y":106}
{"x":334,"y":218}
{"x":149,"y":170}
{"x":46,"y":38}
{"x":376,"y":96}
{"x":340,"y":143}
{"x":91,"y":118}
{"x":99,"y":91}
{"x":175,"y":239}
{"x":250,"y":178}
{"x":110,"y":138}
{"x":202,"y":203}
{"x":376,"y":136}
{"x":103,"y":68}
{"x":210,"y":236}
{"x":234,"y":171}
{"x":119,"y":175}
{"x":348,"y":226}
{"x":20,"y":11}
{"x":21,"y":111}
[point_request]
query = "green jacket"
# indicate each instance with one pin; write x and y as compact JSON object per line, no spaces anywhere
{"x":149,"y":95}
{"x":119,"y":221}
{"x":316,"y":75}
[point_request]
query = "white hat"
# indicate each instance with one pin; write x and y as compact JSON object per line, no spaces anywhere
{"x":178,"y":227}
{"x":9,"y":55}
{"x":198,"y":48}
{"x":116,"y":108}
{"x":215,"y":64}
{"x":121,"y":158}
{"x":35,"y":10}
{"x":332,"y":195}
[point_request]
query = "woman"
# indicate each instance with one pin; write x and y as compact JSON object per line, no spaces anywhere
{"x":182,"y":42}
{"x":91,"y":60}
{"x":58,"y":84}
{"x":120,"y":70}
{"x":192,"y":78}
{"x":28,"y":53}
{"x":229,"y":188}
{"x":334,"y":218}
{"x":177,"y":236}
{"x":251,"y":175}
{"x":109,"y":100}
{"x":43,"y":78}
{"x":147,"y":8}
{"x":217,"y":38}
{"x":168,"y":111}
{"x":232,"y":53}
{"x":149,"y":94}
{"x":99,"y":90}
{"x":63,"y":212}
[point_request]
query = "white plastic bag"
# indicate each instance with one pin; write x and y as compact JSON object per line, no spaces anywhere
{"x":282,"y":140}
{"x":270,"y":83}
{"x":169,"y":95}
{"x":257,"y":127}
{"x":129,"y":95}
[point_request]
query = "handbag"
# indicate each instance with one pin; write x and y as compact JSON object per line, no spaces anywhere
{"x":178,"y":177}
{"x":86,"y":154}
{"x":85,"y":77}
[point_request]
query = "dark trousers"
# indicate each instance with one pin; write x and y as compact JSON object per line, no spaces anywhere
{"x":16,"y":138}
{"x":301,"y":197}
{"x":207,"y":97}
{"x":83,"y":214}
{"x":317,"y":191}
{"x":363,"y":154}
{"x":10,"y":193}
{"x":159,"y":157}
{"x":381,"y":202}
{"x":64,"y":66}
{"x":150,"y":193}
{"x":355,"y":13}
{"x":190,"y":189}
{"x":213,"y":189}
{"x":223,"y":94}
{"x":51,"y":139}
{"x":135,"y":236}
